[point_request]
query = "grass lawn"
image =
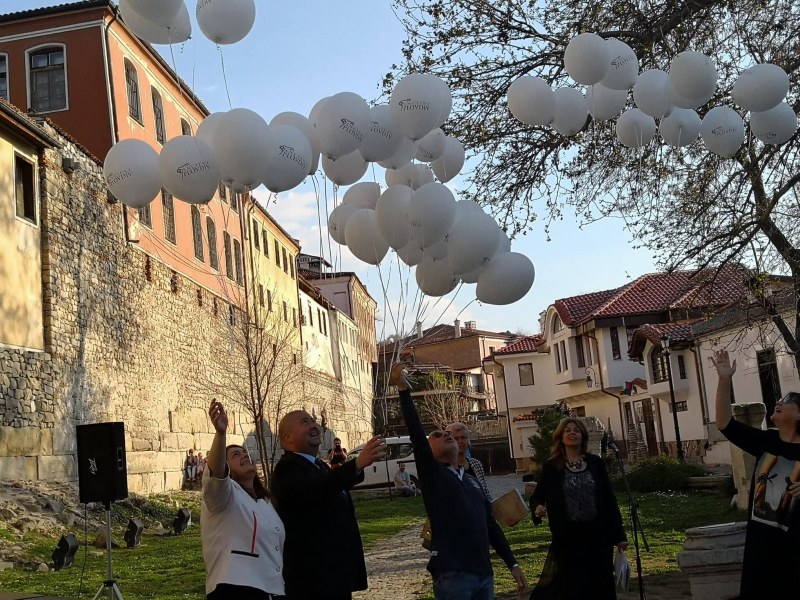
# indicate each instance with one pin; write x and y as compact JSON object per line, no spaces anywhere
{"x":171,"y":567}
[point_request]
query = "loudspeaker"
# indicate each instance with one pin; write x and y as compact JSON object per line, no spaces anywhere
{"x":64,"y":553}
{"x":181,"y":521}
{"x":102,"y":468}
{"x":133,"y":535}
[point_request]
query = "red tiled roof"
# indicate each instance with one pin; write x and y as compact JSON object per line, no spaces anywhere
{"x":657,"y":292}
{"x":443,"y":332}
{"x":525,"y":345}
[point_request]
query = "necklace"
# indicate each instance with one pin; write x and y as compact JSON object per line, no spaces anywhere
{"x":576,"y":465}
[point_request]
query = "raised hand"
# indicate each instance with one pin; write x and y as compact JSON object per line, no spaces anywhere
{"x":374,"y":449}
{"x":722,"y":363}
{"x":398,"y":377}
{"x":219,"y":418}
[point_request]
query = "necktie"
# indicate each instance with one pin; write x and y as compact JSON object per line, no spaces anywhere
{"x":320,"y":464}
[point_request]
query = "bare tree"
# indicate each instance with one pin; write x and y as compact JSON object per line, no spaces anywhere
{"x":441,"y":400}
{"x":692,"y":208}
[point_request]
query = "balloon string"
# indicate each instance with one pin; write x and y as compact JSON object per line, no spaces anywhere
{"x":225,"y":76}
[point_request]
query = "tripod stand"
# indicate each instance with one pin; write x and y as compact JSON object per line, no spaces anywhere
{"x":110,"y":584}
{"x":637,"y":526}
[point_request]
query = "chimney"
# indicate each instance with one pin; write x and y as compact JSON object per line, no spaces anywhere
{"x":469,"y":325}
{"x":457,"y":328}
{"x":419,"y":329}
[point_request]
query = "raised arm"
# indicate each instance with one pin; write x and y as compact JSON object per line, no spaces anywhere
{"x":216,"y":459}
{"x":422,"y":449}
{"x":725,"y":371}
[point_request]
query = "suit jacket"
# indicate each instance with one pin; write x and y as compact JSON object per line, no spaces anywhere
{"x":323,"y":555}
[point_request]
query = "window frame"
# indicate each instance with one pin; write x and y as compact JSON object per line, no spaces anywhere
{"x":226,"y":246}
{"x":168,"y":217}
{"x":145,"y":215}
{"x":4,"y":59}
{"x":41,"y":49}
{"x":159,"y":121}
{"x":197,"y":234}
{"x":137,"y":92}
{"x":33,"y":204}
{"x":265,"y":240}
{"x":211,"y":234}
{"x":186,"y":127}
{"x":237,"y":261}
{"x":522,"y":383}
{"x":616,"y":352}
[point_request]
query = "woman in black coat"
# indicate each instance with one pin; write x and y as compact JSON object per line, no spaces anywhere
{"x":574,"y":492}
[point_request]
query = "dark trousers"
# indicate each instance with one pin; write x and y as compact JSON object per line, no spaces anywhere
{"x":226,"y":591}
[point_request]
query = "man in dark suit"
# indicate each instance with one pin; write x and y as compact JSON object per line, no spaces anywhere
{"x":315,"y":506}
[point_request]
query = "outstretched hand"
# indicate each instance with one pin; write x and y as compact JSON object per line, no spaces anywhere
{"x":722,"y":363}
{"x":399,"y":377}
{"x":374,"y":449}
{"x":219,"y":418}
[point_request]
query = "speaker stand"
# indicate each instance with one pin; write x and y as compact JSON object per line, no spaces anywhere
{"x":109,"y":584}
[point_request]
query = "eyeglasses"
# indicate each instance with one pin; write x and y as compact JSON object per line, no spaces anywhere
{"x":438,"y":434}
{"x":790,"y":398}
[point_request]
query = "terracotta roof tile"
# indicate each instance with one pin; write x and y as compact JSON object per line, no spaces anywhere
{"x":525,"y":345}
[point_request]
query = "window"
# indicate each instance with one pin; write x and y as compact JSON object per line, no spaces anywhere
{"x":48,"y":79}
{"x":186,"y":129}
{"x":310,"y":315}
{"x":658,"y":363}
{"x":4,"y":76}
{"x":294,"y":316}
{"x":197,"y":234}
{"x":285,"y":311}
{"x":285,"y":261}
{"x":266,"y":243}
{"x":277,"y":253}
{"x":269,"y":300}
{"x":325,"y":327}
{"x":256,"y":236}
{"x":231,"y":315}
{"x":525,"y":373}
{"x":291,"y":267}
{"x":557,"y":357}
{"x":492,"y":350}
{"x":168,"y":209}
{"x":146,"y":217}
{"x":558,"y":325}
{"x":223,"y":195}
{"x":132,"y":85}
{"x":261,"y":294}
{"x":681,"y":367}
{"x":234,"y":202}
{"x":211,"y":233}
{"x":615,"y":344}
{"x":24,"y":189}
{"x":237,"y":259}
{"x":226,"y":244}
{"x":579,"y":351}
{"x":563,"y":346}
{"x":158,"y":115}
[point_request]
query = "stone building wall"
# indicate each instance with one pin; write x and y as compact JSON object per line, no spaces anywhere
{"x":126,"y":339}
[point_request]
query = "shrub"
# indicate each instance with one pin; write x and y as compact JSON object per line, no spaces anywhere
{"x":548,"y":419}
{"x":661,"y":474}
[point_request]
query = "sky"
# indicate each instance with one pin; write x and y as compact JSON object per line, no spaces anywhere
{"x":301,"y":51}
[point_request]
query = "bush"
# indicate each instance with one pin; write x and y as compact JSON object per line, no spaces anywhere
{"x":548,"y":419}
{"x":661,"y":474}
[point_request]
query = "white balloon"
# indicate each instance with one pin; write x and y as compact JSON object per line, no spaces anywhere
{"x":434,"y":277}
{"x":342,"y":121}
{"x":506,"y":279}
{"x":391,"y":211}
{"x":418,"y":175}
{"x":188,"y":170}
{"x":445,"y":99}
{"x":410,"y":254}
{"x":131,"y":172}
{"x":363,"y":237}
{"x":402,"y":156}
{"x":337,"y":221}
{"x":635,"y":129}
{"x":397,"y":177}
{"x":287,"y":158}
{"x":693,"y":75}
{"x":449,"y":164}
{"x":761,"y":87}
{"x":774,"y":126}
{"x":438,"y":250}
{"x":364,"y":194}
{"x":226,"y":21}
{"x":303,"y":124}
{"x":432,"y":212}
{"x":313,"y":115}
{"x":417,"y":104}
{"x":571,"y":111}
{"x":473,"y":238}
{"x":241,"y":145}
{"x":382,"y":139}
{"x":531,"y":101}
{"x":346,"y":169}
{"x":722,"y":131}
{"x":623,"y":66}
{"x":431,"y":146}
{"x":680,"y":128}
{"x":684,"y":102}
{"x":503,"y":247}
{"x":160,"y":12}
{"x":208,"y":127}
{"x":586,"y":58}
{"x":178,"y":30}
{"x":605,"y":103}
{"x":652,"y":93}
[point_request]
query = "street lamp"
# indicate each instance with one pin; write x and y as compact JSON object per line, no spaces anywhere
{"x":589,"y":377}
{"x":666,"y":352}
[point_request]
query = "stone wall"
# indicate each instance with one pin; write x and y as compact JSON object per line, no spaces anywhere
{"x":126,"y":339}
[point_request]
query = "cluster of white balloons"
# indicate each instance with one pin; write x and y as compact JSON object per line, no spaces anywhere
{"x":447,"y":241}
{"x":610,"y":69}
{"x":167,"y":21}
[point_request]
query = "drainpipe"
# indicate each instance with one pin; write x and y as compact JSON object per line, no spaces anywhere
{"x":508,"y":413}
{"x":701,"y":383}
{"x":602,"y":388}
